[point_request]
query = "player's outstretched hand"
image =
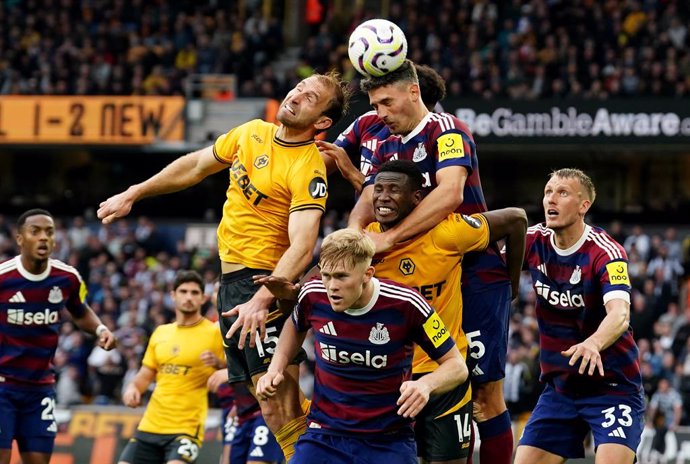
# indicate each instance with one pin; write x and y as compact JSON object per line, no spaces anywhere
{"x":591,"y":359}
{"x":343,"y":162}
{"x":217,"y":379}
{"x":267,"y":385}
{"x":414,"y":395}
{"x":381,"y":240}
{"x":115,"y":207}
{"x":132,"y":397}
{"x":107,"y":340}
{"x":251,"y":318}
{"x":280,"y":287}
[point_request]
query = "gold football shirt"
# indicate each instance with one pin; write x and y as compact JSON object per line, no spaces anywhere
{"x":269,"y":179}
{"x":179,"y":403}
{"x":430,"y":263}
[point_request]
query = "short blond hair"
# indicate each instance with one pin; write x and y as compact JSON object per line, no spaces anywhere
{"x":348,"y":246}
{"x":584,"y":179}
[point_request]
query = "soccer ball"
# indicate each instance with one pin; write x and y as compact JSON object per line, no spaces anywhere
{"x":377,"y":47}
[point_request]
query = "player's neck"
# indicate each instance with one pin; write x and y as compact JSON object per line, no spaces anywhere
{"x":186,"y":320}
{"x":567,"y":237}
{"x":290,"y":135}
{"x":34,"y":266}
{"x":365,"y":298}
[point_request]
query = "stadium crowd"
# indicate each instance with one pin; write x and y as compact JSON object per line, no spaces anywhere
{"x":537,"y":49}
{"x":519,"y":49}
{"x":130,"y":47}
{"x":129,"y":277}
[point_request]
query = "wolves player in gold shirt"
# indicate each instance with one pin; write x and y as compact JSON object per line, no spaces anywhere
{"x":180,"y":357}
{"x":270,"y":224}
{"x":430,"y":262}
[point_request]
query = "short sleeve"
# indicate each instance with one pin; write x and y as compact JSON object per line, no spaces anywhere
{"x":300,"y":313}
{"x":463,"y":233}
{"x":376,"y":163}
{"x":76,"y":301}
{"x":308,"y":186}
{"x":612,"y":269}
{"x":453,"y":148}
{"x":226,"y":145}
{"x":430,"y":333}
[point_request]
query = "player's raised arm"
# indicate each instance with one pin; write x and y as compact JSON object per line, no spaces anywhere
{"x":440,"y":202}
{"x":182,"y":173}
{"x":511,"y":224}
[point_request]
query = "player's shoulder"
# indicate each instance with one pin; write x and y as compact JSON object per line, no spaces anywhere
{"x":58,"y":267}
{"x":164,"y":329}
{"x":539,"y":230}
{"x":9,"y":266}
{"x":368,"y":120}
{"x":538,"y":233}
{"x":403,"y":296}
{"x":258,"y":124}
{"x":208,"y":324}
{"x":602,"y":245}
{"x":312,"y":288}
{"x":444,"y":122}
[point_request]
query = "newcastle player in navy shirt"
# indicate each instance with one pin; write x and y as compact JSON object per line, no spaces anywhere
{"x":589,"y":360}
{"x":365,"y":330}
{"x":33,"y":291}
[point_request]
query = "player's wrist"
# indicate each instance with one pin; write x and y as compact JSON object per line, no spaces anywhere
{"x":100,"y":329}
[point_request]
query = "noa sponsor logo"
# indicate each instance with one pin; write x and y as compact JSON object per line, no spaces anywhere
{"x":565,"y":299}
{"x":22,"y":317}
{"x":618,"y":273}
{"x":436,"y":330}
{"x":333,"y":354}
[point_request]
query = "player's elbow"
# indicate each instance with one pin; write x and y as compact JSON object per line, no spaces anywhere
{"x":458,"y":369}
{"x":519,"y":216}
{"x":463,"y":372}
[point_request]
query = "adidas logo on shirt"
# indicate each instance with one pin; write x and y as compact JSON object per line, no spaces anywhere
{"x":618,"y":432}
{"x":257,"y":452}
{"x":18,"y":298}
{"x":329,"y":329}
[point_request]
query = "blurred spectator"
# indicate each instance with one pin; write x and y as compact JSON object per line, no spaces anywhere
{"x":668,"y":402}
{"x":639,"y":241}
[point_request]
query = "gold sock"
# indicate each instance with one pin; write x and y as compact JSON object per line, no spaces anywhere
{"x":287,"y":436}
{"x":306,"y":406}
